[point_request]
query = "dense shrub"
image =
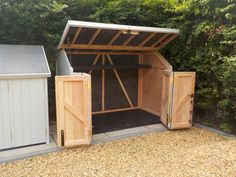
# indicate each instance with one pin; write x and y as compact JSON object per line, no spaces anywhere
{"x":206,"y":43}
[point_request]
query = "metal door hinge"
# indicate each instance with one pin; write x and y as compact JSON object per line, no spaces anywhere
{"x":167,"y":118}
{"x":62,"y":138}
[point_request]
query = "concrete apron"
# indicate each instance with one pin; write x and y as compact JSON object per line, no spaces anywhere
{"x":30,"y":151}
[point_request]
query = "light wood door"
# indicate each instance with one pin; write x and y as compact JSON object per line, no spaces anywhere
{"x":166,"y":96}
{"x":73,"y":99}
{"x":183,"y":94}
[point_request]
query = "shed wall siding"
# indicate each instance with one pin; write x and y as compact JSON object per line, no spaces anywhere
{"x":23,"y":112}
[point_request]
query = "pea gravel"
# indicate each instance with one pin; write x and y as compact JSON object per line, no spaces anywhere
{"x":194,"y":152}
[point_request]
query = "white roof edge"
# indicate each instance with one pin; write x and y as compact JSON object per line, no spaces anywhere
{"x":84,"y":24}
{"x":30,"y":75}
{"x":45,"y":57}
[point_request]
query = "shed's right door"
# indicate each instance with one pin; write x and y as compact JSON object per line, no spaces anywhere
{"x":73,"y":99}
{"x":182,"y":102}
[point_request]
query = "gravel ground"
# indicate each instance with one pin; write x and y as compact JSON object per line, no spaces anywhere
{"x":194,"y":152}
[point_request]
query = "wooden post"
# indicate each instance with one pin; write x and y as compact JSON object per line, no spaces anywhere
{"x":140,"y":82}
{"x":103,"y":84}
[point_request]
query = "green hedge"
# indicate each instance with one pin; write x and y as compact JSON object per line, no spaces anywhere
{"x":206,"y":43}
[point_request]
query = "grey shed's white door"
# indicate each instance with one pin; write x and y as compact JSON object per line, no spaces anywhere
{"x":23,"y":112}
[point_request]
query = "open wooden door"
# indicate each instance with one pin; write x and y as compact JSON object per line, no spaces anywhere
{"x":182,"y":103}
{"x":166,"y":96}
{"x":73,"y":102}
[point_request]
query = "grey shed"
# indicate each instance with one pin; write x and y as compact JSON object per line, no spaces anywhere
{"x":23,"y":96}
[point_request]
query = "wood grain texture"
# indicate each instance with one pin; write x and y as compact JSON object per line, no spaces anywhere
{"x":73,"y":98}
{"x":183,"y":92}
{"x":167,"y":78}
{"x":152,"y":82}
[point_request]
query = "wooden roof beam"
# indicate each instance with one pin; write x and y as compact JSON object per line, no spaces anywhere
{"x":106,"y":47}
{"x":161,"y":39}
{"x":76,"y":35}
{"x":162,"y":44}
{"x":115,"y":37}
{"x":128,"y":39}
{"x":94,"y":36}
{"x":147,"y":39}
{"x":101,"y":53}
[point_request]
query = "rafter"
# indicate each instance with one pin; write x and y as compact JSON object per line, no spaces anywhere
{"x":166,"y":41}
{"x":128,"y":40}
{"x":94,"y":36}
{"x":115,"y":37}
{"x":147,"y":39}
{"x":76,"y":35}
{"x":161,"y":39}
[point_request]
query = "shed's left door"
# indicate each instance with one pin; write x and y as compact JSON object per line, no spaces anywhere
{"x":73,"y":99}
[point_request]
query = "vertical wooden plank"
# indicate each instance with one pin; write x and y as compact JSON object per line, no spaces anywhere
{"x":89,"y":111}
{"x":103,"y":84}
{"x":140,"y":81}
{"x":166,"y":95}
{"x":59,"y":107}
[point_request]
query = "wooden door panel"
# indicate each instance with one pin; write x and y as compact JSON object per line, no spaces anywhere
{"x":182,"y":106}
{"x":73,"y":98}
{"x":166,"y":93}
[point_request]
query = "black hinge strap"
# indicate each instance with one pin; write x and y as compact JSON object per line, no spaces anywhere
{"x":62,"y":138}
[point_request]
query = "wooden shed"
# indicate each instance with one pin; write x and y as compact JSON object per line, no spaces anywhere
{"x":109,"y":68}
{"x":23,"y":96}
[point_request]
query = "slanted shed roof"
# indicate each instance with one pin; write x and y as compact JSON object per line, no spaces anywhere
{"x":23,"y":60}
{"x":79,"y":35}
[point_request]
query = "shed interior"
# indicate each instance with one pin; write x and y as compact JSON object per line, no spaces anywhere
{"x":125,"y":69}
{"x":116,"y":88}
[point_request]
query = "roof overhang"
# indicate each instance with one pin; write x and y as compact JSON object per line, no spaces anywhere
{"x":80,"y":35}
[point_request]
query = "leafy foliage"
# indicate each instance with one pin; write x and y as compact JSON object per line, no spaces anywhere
{"x":206,"y":43}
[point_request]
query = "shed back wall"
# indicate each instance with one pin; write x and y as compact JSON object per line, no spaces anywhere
{"x":114,"y":96}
